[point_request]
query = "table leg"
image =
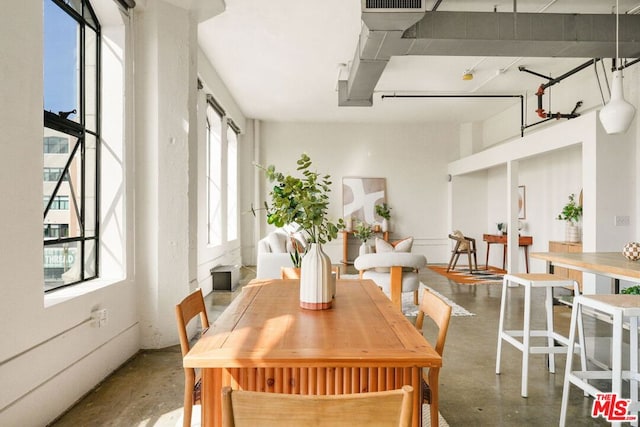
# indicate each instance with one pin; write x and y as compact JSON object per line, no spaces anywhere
{"x":345,"y":247}
{"x":526,"y":257}
{"x":486,"y":263}
{"x":504,"y":255}
{"x":211,"y":405}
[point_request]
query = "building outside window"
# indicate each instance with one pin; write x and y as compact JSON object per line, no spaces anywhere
{"x":71,"y":142}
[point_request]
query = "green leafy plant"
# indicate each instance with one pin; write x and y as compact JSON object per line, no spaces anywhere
{"x":502,"y":227}
{"x":302,"y":200}
{"x":363,"y":231}
{"x":296,"y":258}
{"x":384,"y":211}
{"x":631,"y":290}
{"x":572,"y":211}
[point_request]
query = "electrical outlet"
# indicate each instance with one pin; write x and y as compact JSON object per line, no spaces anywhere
{"x":99,"y":317}
{"x":622,"y":220}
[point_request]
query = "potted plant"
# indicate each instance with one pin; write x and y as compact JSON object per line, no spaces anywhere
{"x":305,"y":201}
{"x":502,"y":227}
{"x":384,"y":211}
{"x":571,"y":213}
{"x":363,"y":231}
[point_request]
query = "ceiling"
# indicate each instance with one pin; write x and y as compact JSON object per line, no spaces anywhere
{"x":282,"y":60}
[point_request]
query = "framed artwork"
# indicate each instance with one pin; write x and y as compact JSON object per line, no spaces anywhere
{"x":361,"y":195}
{"x":522,"y":202}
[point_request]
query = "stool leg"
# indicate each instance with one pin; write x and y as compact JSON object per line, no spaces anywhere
{"x":633,"y":361}
{"x":503,"y":301}
{"x":616,"y":357}
{"x":526,"y":338}
{"x":581,"y":340}
{"x":548,"y":304}
{"x":576,"y":313}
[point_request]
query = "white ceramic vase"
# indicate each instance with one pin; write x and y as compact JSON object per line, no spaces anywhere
{"x":317,"y":284}
{"x":385,"y":225}
{"x":572,"y":232}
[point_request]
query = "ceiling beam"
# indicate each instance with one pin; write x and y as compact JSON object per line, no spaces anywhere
{"x":505,"y":34}
{"x":524,"y":34}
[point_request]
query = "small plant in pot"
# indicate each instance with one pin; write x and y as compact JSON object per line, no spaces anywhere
{"x":363,"y":231}
{"x":384,"y":211}
{"x":571,"y":213}
{"x":305,"y":201}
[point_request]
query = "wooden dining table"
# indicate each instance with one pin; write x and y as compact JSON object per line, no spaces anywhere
{"x":264,"y":341}
{"x":608,"y":264}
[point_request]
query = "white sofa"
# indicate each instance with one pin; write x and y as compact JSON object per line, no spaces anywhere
{"x":274,"y":249}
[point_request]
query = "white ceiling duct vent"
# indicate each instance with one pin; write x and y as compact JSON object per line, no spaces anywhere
{"x":393,"y":6}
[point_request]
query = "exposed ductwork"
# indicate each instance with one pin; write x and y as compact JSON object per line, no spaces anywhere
{"x":388,"y":31}
{"x":383,"y":25}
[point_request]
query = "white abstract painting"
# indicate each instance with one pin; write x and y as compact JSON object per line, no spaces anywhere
{"x":361,"y":195}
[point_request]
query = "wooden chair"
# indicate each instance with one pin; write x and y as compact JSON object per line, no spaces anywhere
{"x":190,"y":307}
{"x":440,"y":313}
{"x":262,"y":409}
{"x":464,"y":245}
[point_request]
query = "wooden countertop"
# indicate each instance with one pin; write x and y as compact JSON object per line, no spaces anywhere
{"x":610,"y":264}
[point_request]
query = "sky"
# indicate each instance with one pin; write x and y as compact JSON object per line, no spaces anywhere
{"x":60,"y":59}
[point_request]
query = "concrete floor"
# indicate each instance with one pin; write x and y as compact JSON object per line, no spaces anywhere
{"x":147,"y":390}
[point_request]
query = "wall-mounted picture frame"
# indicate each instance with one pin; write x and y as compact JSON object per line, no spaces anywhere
{"x":522,"y":202}
{"x":360,"y":195}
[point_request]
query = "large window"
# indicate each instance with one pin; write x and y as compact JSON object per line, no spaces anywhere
{"x":214,"y":175}
{"x":70,"y":142}
{"x":232,"y":182}
{"x":222,"y":176}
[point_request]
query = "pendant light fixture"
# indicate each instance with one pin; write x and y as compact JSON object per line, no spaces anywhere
{"x":617,"y":115}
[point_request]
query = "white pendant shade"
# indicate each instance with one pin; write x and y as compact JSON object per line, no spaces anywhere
{"x":618,"y":114}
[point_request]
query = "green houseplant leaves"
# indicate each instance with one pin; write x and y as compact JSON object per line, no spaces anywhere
{"x":302,"y":200}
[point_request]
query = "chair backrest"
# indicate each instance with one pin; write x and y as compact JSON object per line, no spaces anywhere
{"x":463,"y":243}
{"x":437,"y":310}
{"x":187,"y":309}
{"x":252,"y":408}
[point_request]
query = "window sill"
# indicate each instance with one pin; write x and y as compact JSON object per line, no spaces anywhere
{"x":75,"y":291}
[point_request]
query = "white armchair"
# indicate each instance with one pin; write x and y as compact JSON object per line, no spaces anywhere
{"x":274,"y":251}
{"x":395,"y":272}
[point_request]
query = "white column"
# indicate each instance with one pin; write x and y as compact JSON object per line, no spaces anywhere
{"x":513,"y":261}
{"x":166,"y":139}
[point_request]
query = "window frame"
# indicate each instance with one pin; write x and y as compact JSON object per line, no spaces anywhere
{"x":222,"y":166}
{"x":89,"y":268}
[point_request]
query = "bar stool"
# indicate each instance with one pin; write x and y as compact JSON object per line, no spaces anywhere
{"x":529,"y":281}
{"x":618,"y":307}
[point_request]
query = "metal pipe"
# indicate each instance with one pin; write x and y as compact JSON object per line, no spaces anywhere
{"x":540,"y":92}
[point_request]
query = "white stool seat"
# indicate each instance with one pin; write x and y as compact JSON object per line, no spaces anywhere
{"x":530,"y":281}
{"x":619,"y":307}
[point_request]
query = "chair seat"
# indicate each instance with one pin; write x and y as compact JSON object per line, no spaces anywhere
{"x":410,"y":280}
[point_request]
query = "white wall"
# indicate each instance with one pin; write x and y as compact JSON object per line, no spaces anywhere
{"x":411,"y":157}
{"x":553,"y":163}
{"x":50,"y":355}
{"x":548,"y":179}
